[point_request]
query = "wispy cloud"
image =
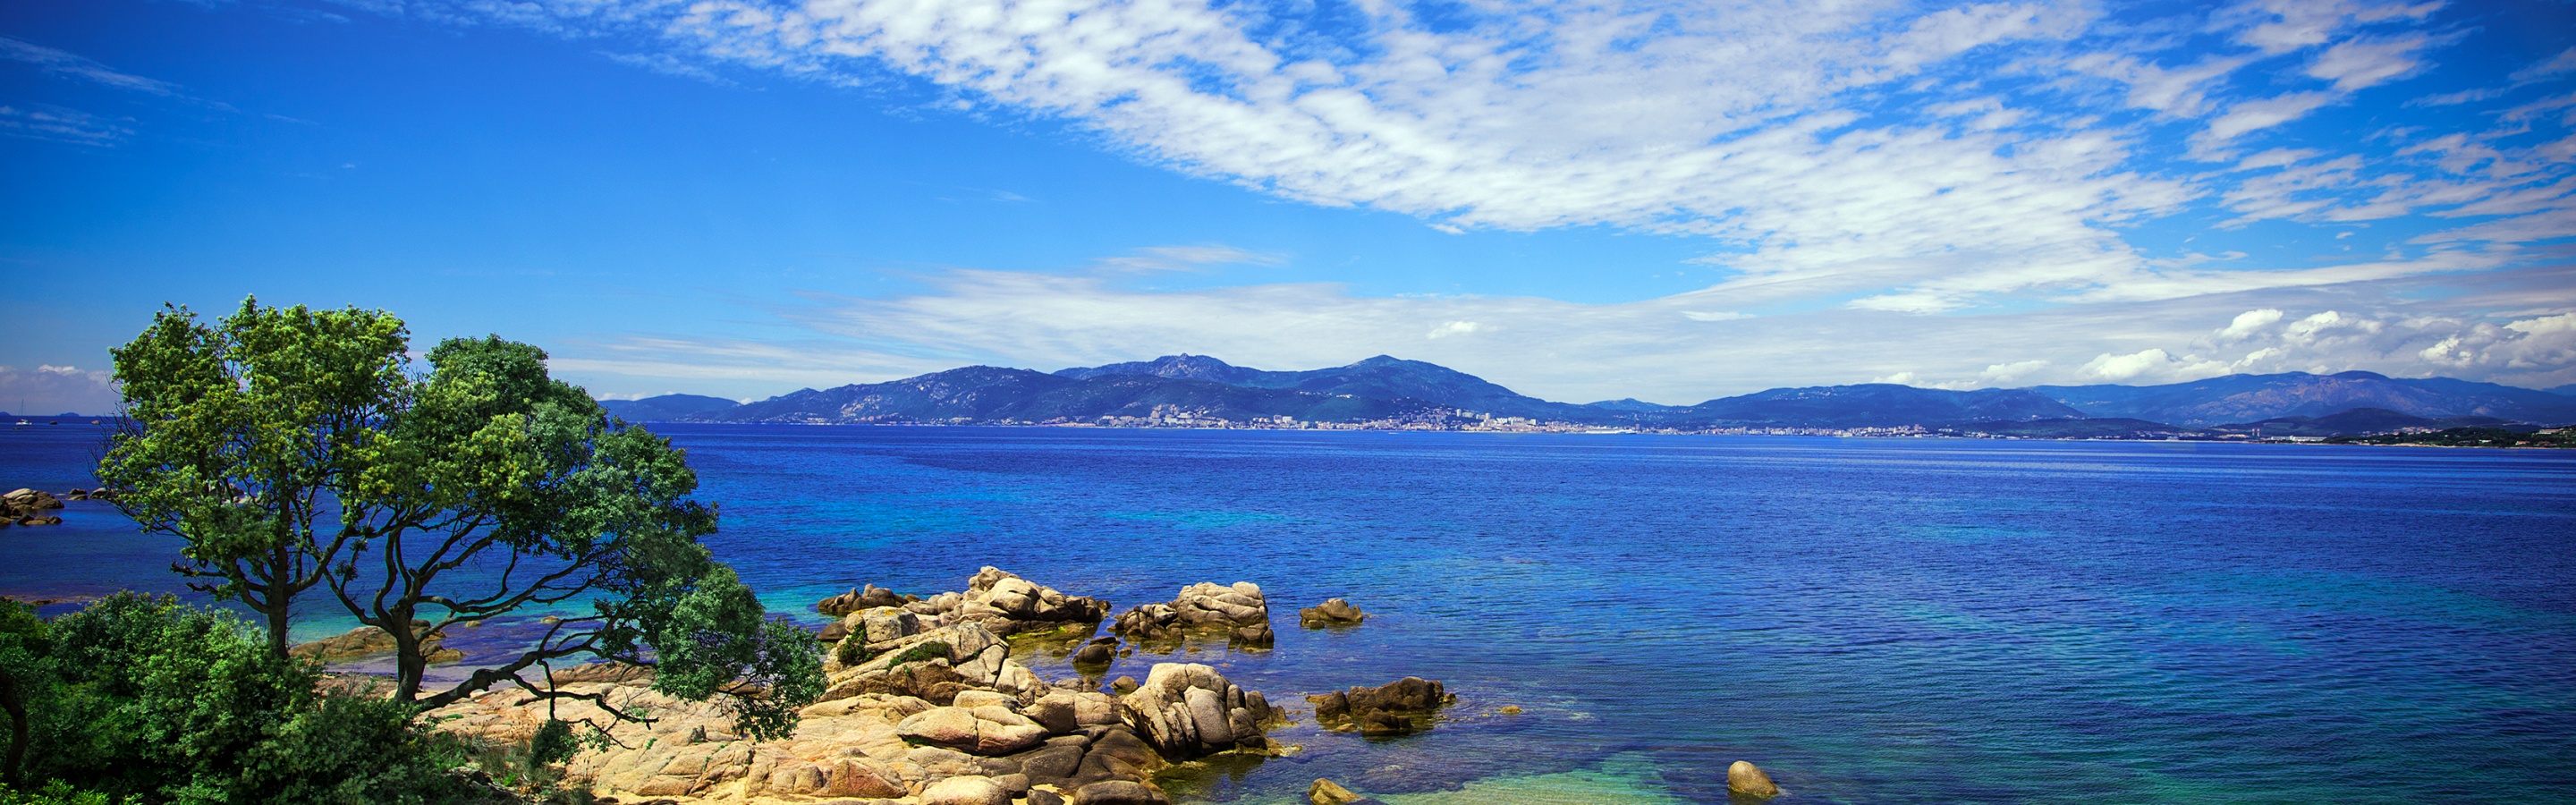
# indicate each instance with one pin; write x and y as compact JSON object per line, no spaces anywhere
{"x":71,"y":65}
{"x":1905,"y":159}
{"x":40,"y":122}
{"x":1850,"y":168}
{"x":1186,"y":258}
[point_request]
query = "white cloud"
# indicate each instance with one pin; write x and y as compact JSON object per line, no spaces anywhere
{"x":1447,"y":329}
{"x":2562,"y":64}
{"x":2361,"y":63}
{"x":2250,"y":322}
{"x":1187,"y":258}
{"x":1571,"y":351}
{"x":60,"y":125}
{"x":1873,"y":151}
{"x":1863,"y":164}
{"x":2005,"y":373}
{"x":72,"y":65}
{"x":2265,"y":113}
{"x":47,"y":390}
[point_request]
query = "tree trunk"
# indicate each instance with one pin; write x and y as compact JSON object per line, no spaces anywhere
{"x":276,"y":613}
{"x":409,"y":665}
{"x":280,"y":577}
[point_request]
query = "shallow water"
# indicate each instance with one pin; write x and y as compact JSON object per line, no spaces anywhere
{"x":1870,"y":620}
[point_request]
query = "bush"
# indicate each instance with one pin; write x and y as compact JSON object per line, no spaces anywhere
{"x":144,"y":698}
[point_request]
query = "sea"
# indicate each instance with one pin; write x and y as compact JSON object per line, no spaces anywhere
{"x":1869,"y":620}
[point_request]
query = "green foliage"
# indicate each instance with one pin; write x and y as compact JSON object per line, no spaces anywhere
{"x":53,"y":793}
{"x":927,"y":650}
{"x":25,"y":645}
{"x":240,"y":433}
{"x":292,"y":447}
{"x":852,"y":651}
{"x":151,"y":699}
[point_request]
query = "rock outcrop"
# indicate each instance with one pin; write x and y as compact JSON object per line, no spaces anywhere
{"x":855,"y":600}
{"x":1056,"y":746}
{"x":1187,"y":710}
{"x":1333,"y":612}
{"x":28,"y":507}
{"x":369,"y":640}
{"x":1239,"y":611}
{"x":1744,"y":779}
{"x":1400,"y":707}
{"x":924,"y":705}
{"x":1001,"y":602}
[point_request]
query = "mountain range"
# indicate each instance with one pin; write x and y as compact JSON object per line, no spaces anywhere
{"x":1387,"y":388}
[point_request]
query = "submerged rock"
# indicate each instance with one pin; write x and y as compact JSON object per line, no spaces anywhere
{"x":1100,"y":651}
{"x":1333,"y":612}
{"x":1327,"y":792}
{"x":1747,"y":780}
{"x":1395,"y":708}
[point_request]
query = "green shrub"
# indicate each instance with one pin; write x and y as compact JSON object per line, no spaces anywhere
{"x":851,"y":652}
{"x":54,"y":793}
{"x":144,"y":698}
{"x":930,"y":650}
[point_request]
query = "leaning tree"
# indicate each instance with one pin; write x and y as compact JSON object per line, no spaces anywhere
{"x":291,"y":448}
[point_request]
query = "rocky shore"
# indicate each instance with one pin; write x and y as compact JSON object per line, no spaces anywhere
{"x":926,"y":706}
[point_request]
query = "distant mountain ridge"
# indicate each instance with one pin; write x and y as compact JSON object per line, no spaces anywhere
{"x":666,"y":407}
{"x":1197,"y":387}
{"x":2247,"y":398}
{"x":996,"y":394}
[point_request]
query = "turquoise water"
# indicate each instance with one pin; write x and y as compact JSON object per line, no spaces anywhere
{"x":1870,"y":620}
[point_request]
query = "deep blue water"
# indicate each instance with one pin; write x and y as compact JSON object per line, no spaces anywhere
{"x":1870,"y":620}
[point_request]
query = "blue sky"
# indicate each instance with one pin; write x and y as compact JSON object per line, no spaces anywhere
{"x":1666,"y":201}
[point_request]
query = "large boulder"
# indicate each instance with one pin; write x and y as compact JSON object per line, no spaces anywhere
{"x":31,"y":500}
{"x":1395,"y":708}
{"x":1333,"y":612}
{"x":1238,"y":610}
{"x":989,"y":730}
{"x":1120,"y":792}
{"x":1186,"y":710}
{"x":965,"y":790}
{"x":1747,"y":780}
{"x":870,"y":597}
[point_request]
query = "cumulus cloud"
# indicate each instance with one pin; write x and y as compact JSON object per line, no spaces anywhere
{"x":2248,"y":323}
{"x":47,"y":390}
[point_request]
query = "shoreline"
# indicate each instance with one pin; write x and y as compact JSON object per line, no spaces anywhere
{"x":1897,"y":432}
